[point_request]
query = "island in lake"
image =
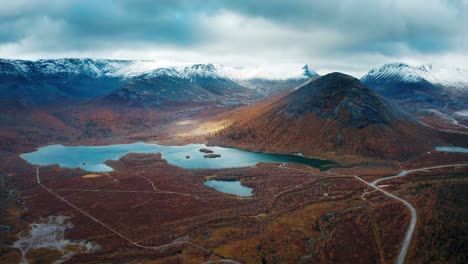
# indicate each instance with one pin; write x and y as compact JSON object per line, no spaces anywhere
{"x":212,"y":156}
{"x":205,"y":150}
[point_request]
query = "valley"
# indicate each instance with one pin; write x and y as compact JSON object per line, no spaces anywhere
{"x":326,"y":170}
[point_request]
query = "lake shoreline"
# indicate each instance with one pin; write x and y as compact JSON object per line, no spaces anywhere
{"x":92,"y":158}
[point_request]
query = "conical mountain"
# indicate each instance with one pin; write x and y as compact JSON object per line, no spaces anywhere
{"x":334,"y":115}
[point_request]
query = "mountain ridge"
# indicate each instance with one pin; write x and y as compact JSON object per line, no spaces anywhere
{"x":131,"y":68}
{"x":42,"y":82}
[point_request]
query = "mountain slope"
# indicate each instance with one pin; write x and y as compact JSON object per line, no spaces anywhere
{"x":333,"y":115}
{"x":167,"y":87}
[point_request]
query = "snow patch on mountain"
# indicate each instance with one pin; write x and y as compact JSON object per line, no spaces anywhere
{"x":462,"y":113}
{"x":92,"y":67}
{"x":140,"y":67}
{"x":21,"y":67}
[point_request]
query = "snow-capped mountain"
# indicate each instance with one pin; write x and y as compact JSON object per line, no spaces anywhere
{"x":447,"y":76}
{"x":44,"y":81}
{"x":92,"y":67}
{"x":198,"y":84}
{"x":430,"y":91}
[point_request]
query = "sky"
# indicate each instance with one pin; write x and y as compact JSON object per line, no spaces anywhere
{"x":349,"y":36}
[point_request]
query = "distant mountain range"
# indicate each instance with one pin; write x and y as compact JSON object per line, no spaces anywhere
{"x":428,"y":91}
{"x":204,"y":84}
{"x":140,"y":83}
{"x":45,"y":81}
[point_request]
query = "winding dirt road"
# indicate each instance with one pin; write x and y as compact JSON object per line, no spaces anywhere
{"x":414,"y":215}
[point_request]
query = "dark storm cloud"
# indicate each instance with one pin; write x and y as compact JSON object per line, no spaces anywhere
{"x":81,"y":23}
{"x":319,"y":31}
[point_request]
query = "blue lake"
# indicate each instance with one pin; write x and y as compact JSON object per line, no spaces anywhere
{"x":452,"y":149}
{"x":231,"y":187}
{"x":91,"y":158}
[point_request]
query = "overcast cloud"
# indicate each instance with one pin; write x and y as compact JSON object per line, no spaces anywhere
{"x":330,"y":35}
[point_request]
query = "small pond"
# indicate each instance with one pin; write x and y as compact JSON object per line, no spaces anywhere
{"x":231,"y":187}
{"x":452,"y":149}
